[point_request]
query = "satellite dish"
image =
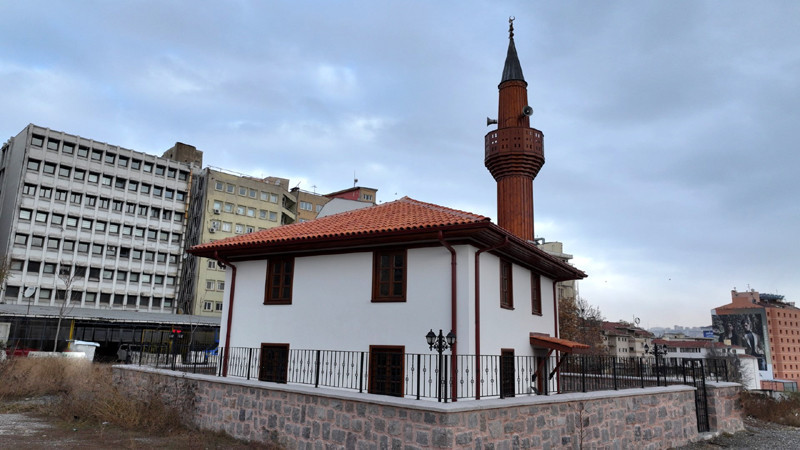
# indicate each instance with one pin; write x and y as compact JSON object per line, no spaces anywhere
{"x":636,"y":320}
{"x":527,"y":111}
{"x":29,"y":292}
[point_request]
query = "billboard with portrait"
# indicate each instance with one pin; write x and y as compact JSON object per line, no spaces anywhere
{"x":746,"y":330}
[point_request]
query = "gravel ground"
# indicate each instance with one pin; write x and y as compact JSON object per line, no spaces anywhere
{"x":757,"y":435}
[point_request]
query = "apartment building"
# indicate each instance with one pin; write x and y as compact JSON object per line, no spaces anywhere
{"x":626,"y":340}
{"x":229,"y":204}
{"x":99,"y":223}
{"x":768,"y":327}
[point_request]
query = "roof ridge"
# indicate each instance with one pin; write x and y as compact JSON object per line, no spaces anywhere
{"x":445,"y":209}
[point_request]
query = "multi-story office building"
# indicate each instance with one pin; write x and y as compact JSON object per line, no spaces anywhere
{"x":99,"y":223}
{"x":229,"y":204}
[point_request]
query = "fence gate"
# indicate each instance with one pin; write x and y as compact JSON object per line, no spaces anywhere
{"x":695,"y":375}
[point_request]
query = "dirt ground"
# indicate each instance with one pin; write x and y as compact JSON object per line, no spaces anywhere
{"x":32,"y":430}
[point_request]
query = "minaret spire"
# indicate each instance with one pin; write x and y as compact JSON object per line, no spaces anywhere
{"x":515,"y":151}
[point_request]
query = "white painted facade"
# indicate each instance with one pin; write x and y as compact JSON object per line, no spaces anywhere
{"x":332,"y":309}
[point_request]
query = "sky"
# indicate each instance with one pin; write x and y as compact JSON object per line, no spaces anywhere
{"x":671,"y":128}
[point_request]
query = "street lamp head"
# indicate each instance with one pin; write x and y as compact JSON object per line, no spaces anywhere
{"x":451,"y":338}
{"x":431,"y":338}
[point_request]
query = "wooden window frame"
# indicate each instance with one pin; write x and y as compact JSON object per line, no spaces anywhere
{"x":377,"y":297}
{"x":536,"y":294}
{"x":278,"y":265}
{"x":506,"y":284}
{"x":374,"y":371}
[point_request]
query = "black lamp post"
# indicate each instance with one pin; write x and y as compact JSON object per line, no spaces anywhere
{"x":440,"y":343}
{"x":656,"y":350}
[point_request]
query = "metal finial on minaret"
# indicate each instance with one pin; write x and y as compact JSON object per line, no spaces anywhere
{"x":511,"y":27}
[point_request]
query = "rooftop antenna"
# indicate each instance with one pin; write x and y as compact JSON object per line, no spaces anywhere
{"x":314,"y":187}
{"x":355,"y":180}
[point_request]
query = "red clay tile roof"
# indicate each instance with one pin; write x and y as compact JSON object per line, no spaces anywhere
{"x":624,"y":329}
{"x":559,"y":344}
{"x":403,"y":214}
{"x":693,"y":344}
{"x":391,"y":222}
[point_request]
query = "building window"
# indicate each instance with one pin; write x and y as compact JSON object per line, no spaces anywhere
{"x":110,"y":158}
{"x":506,"y":285}
{"x":239,"y":228}
{"x":52,"y":144}
{"x":536,"y":294}
{"x":41,"y":216}
{"x":226,"y":226}
{"x":207,"y":306}
{"x":230,"y":189}
{"x":25,"y":214}
{"x":122,"y":161}
{"x":273,"y":216}
{"x":280,"y":272}
{"x":273,"y":198}
{"x":306,"y":206}
{"x":37,"y":140}
{"x":53,"y":243}
{"x":242,"y":191}
{"x":212,"y":264}
{"x":97,"y":155}
{"x":229,"y":207}
{"x":29,"y":189}
{"x":33,"y":165}
{"x":274,"y":363}
{"x":79,"y":174}
{"x":389,"y":276}
{"x":64,"y":171}
{"x":251,"y":212}
{"x":219,"y":185}
{"x":37,"y":241}
{"x":49,"y":168}
{"x":386,"y":370}
{"x":218,"y":306}
{"x":20,"y":239}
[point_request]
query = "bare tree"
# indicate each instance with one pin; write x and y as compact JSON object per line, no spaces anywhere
{"x":68,"y":277}
{"x":581,"y":322}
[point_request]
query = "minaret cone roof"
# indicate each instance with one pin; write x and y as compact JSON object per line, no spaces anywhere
{"x":512,"y":70}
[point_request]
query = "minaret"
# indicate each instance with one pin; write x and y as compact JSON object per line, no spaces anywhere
{"x":515,"y":151}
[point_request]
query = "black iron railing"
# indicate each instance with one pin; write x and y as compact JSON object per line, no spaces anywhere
{"x":416,"y":375}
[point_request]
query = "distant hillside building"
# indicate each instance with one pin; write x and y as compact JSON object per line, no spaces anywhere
{"x":625,"y":340}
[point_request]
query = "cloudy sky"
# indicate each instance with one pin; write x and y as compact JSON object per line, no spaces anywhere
{"x":671,"y":158}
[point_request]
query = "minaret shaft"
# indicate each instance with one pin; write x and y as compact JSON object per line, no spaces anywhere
{"x":514,"y":152}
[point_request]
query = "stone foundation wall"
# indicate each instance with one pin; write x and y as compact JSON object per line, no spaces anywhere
{"x":724,"y":407}
{"x":303,"y":417}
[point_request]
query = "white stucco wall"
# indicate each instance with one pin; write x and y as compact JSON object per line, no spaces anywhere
{"x":332,"y":310}
{"x":510,"y":328}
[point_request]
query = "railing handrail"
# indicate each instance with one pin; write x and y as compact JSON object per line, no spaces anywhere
{"x":351,"y":370}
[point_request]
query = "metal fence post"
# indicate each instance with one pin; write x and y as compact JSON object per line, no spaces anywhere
{"x":249,"y":361}
{"x":614,"y":371}
{"x":316,"y":371}
{"x":419,"y":372}
{"x":361,"y":374}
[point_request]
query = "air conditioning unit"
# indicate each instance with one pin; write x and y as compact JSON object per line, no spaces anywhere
{"x":216,"y":211}
{"x":212,"y":230}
